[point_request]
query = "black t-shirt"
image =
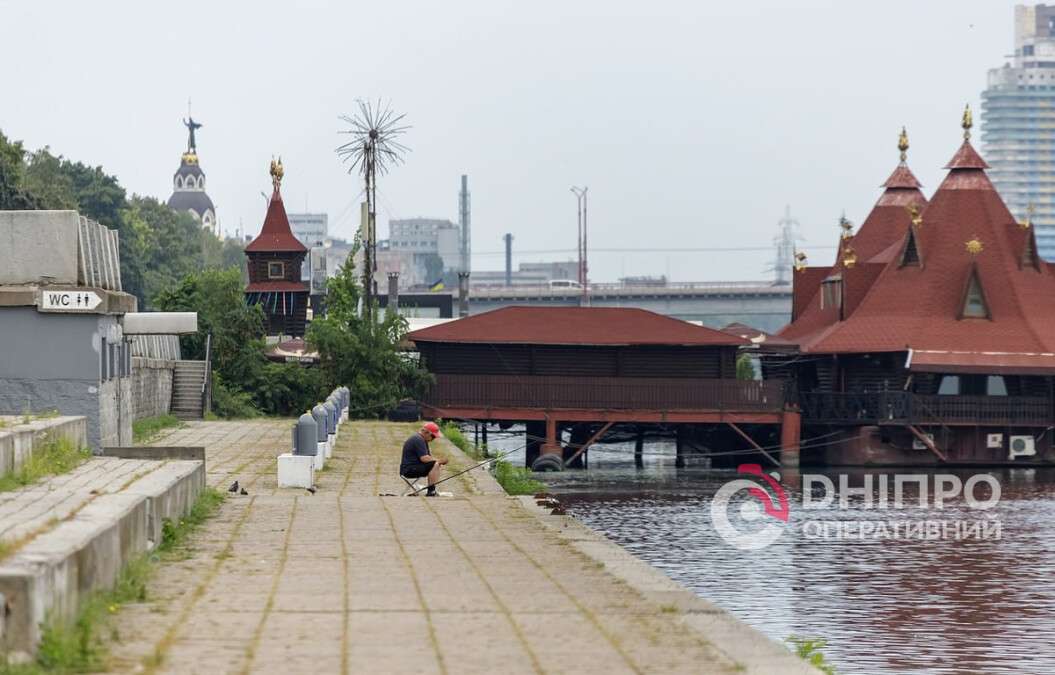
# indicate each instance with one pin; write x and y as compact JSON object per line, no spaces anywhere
{"x":413,"y":450}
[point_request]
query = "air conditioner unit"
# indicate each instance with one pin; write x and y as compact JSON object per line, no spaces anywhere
{"x":1022,"y":446}
{"x":994,"y":440}
{"x":918,"y":444}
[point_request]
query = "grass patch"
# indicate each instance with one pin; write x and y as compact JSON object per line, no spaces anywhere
{"x":56,"y":456}
{"x":810,"y":650}
{"x":81,"y":646}
{"x":454,"y":434}
{"x":516,"y":480}
{"x":147,"y":428}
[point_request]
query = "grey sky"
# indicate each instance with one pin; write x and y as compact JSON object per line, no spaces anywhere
{"x":693,"y":123}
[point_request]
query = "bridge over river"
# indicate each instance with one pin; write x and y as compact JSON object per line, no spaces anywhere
{"x":758,"y":304}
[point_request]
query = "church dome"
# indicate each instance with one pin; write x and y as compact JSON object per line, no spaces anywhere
{"x":188,"y":185}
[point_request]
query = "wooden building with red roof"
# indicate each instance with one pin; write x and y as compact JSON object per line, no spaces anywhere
{"x":932,"y":337}
{"x":274,"y":264}
{"x":551,"y":367}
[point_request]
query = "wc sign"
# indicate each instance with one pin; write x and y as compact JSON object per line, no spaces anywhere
{"x":69,"y":301}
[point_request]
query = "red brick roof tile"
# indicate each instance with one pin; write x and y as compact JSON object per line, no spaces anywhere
{"x":275,"y":236}
{"x":574,"y":326}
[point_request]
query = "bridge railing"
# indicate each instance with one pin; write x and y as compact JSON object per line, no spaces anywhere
{"x":616,"y":393}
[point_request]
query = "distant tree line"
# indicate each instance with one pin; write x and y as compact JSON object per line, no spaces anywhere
{"x":171,"y":264}
{"x":159,"y":246}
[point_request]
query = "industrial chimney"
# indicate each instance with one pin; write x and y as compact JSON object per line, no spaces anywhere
{"x":463,"y":294}
{"x":465,"y":224}
{"x":393,"y":292}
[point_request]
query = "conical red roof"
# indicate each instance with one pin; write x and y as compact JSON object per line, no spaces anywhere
{"x":966,"y":230}
{"x":883,"y":229}
{"x":276,"y":235}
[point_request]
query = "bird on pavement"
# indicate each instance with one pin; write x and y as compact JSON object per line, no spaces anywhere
{"x":244,"y":492}
{"x":234,"y":487}
{"x":312,"y":489}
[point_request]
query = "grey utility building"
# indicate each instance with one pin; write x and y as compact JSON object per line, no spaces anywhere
{"x":61,"y":312}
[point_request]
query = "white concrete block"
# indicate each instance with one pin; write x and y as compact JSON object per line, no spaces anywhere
{"x":296,"y":471}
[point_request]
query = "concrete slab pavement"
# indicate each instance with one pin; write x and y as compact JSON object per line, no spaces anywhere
{"x":347,"y":581}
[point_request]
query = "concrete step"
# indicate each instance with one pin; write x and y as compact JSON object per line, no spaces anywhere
{"x":72,"y":534}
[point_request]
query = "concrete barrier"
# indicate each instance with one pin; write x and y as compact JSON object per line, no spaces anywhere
{"x":18,"y":440}
{"x":48,"y":578}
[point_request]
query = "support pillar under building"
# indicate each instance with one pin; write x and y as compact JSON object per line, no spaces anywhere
{"x":679,"y":446}
{"x":790,"y":433}
{"x":639,"y":449}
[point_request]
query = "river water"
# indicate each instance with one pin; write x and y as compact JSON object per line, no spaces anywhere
{"x":980,"y":599}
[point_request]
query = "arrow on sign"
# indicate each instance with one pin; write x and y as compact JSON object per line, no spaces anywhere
{"x":70,"y":301}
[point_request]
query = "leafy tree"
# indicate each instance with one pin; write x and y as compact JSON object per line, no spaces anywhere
{"x":49,"y":182}
{"x":164,"y":244}
{"x":361,"y":354}
{"x":13,"y":192}
{"x":745,"y":367}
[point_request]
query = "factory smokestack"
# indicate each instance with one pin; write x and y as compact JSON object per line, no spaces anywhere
{"x":464,"y":222}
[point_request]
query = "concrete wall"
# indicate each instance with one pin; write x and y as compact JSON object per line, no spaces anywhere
{"x":18,"y":440}
{"x":38,"y":246}
{"x":151,"y":387}
{"x":53,"y":362}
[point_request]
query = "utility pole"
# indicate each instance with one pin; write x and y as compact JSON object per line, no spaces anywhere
{"x":580,"y":196}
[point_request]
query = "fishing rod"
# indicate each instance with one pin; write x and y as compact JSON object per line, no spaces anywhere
{"x":474,"y":466}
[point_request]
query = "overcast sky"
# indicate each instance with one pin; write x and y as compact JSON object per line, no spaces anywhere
{"x":694,"y":123}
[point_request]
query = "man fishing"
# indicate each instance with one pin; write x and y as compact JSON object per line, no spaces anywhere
{"x":417,"y":462}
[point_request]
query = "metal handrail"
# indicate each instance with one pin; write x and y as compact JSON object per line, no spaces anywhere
{"x":205,"y":388}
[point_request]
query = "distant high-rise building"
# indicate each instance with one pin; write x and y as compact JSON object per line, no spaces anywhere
{"x":1018,"y":124}
{"x":188,"y":185}
{"x":310,"y":229}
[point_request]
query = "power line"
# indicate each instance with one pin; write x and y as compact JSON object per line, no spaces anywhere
{"x":710,"y":249}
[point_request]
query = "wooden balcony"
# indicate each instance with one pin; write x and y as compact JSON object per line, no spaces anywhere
{"x":604,"y":393}
{"x":899,"y":407}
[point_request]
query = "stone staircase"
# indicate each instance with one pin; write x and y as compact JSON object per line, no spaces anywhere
{"x":187,"y":389}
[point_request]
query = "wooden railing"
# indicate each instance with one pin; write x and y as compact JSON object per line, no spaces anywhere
{"x":615,"y":393}
{"x":899,"y":407}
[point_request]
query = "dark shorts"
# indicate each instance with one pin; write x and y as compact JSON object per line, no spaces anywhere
{"x":419,"y":470}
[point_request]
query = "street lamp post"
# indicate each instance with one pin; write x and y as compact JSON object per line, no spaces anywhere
{"x":580,"y":196}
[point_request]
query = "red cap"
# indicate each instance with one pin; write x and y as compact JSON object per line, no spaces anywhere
{"x":432,"y":429}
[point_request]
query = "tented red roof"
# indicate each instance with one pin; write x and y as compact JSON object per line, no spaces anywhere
{"x":980,"y":362}
{"x":574,"y":326}
{"x":966,"y":229}
{"x":881,"y":232}
{"x":275,"y":236}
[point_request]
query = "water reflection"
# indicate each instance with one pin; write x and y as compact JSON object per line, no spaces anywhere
{"x":884,"y":606}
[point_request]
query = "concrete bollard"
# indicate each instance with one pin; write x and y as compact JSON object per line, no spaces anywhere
{"x":297,"y":468}
{"x":319,"y":413}
{"x":331,"y":421}
{"x":346,"y":399}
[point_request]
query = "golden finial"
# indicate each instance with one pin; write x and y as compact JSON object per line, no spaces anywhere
{"x":190,"y":158}
{"x":967,"y":123}
{"x":800,"y":261}
{"x":913,"y":212}
{"x":1025,"y":225}
{"x":974,"y":246}
{"x":276,"y":172}
{"x":847,"y":226}
{"x":902,"y":144}
{"x":849,"y":257}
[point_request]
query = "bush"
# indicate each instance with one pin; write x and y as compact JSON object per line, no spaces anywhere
{"x":231,"y":403}
{"x":516,"y":480}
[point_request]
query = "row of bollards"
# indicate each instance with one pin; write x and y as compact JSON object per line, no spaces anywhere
{"x":314,"y":436}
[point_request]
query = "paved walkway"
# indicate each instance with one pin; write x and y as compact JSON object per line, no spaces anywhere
{"x":282,"y":581}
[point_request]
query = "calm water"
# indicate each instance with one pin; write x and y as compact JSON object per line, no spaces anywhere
{"x":883,"y":606}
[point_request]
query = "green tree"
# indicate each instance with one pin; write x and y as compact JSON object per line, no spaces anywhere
{"x":165,"y":244}
{"x":13,"y":191}
{"x":363,"y":355}
{"x":745,"y":367}
{"x":49,"y":181}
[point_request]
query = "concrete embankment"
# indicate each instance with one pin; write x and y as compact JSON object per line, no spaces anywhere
{"x":21,"y":434}
{"x":70,"y":535}
{"x":345,"y":580}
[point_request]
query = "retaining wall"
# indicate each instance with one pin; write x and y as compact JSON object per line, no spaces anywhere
{"x":18,"y":440}
{"x":151,"y":387}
